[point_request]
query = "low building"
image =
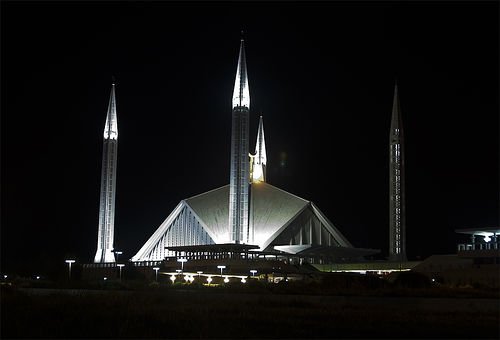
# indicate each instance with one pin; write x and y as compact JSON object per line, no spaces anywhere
{"x":477,"y":262}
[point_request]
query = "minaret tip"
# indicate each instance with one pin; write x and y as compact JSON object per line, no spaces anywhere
{"x":241,"y":95}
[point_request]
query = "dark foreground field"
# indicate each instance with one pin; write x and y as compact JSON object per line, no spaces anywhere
{"x":218,"y":313}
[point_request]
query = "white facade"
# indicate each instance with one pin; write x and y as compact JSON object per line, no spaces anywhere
{"x":260,"y":159}
{"x":240,"y":167}
{"x":277,"y":217}
{"x":105,"y":237}
{"x":248,"y":210}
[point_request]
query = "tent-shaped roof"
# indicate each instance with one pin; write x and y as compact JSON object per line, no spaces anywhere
{"x":276,"y":217}
{"x":270,"y":209}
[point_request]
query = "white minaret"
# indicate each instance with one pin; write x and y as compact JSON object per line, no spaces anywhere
{"x":397,"y":231}
{"x":240,"y":165}
{"x":104,"y":253}
{"x":260,"y":158}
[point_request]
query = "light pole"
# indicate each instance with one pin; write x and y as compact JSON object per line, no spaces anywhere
{"x":221,"y":268}
{"x":199,"y":272}
{"x":253,"y":271}
{"x":182,"y":263}
{"x":120,"y":265}
{"x":156,"y":272}
{"x":117,"y":252}
{"x":69,"y":262}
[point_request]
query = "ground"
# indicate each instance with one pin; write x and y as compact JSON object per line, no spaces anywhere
{"x":200,"y":312}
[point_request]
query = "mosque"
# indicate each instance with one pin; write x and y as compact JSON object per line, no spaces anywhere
{"x":248,"y":218}
{"x":251,"y":226}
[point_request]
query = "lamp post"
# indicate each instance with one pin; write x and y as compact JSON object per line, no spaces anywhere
{"x":199,"y":272}
{"x":156,"y":272}
{"x":117,"y":252}
{"x":182,"y":263}
{"x":253,"y":271}
{"x":69,"y":262}
{"x":120,"y":265}
{"x":221,"y":268}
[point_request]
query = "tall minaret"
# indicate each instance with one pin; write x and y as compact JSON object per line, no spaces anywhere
{"x":260,"y":158}
{"x":397,"y":245}
{"x":240,"y":172}
{"x":104,"y":253}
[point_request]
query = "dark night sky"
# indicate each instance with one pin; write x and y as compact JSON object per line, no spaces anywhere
{"x":322,"y":75}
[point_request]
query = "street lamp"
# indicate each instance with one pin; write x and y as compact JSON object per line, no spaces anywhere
{"x":199,"y":272}
{"x":253,"y":271}
{"x":156,"y":272}
{"x":117,"y":252}
{"x":209,"y":280}
{"x":221,"y":268}
{"x":182,"y":263}
{"x":120,"y":265}
{"x":69,"y":262}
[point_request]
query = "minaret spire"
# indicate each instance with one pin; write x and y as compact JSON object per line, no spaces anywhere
{"x":397,"y":232}
{"x":105,"y":238}
{"x":241,"y":95}
{"x":111,"y":126}
{"x":240,"y":172}
{"x":260,"y":158}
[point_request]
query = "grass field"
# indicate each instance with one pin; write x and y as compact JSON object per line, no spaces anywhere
{"x":225,"y":313}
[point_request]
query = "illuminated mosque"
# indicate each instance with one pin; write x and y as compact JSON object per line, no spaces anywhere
{"x":248,"y":215}
{"x":252,"y":226}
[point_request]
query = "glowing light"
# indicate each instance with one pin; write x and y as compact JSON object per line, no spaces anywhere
{"x":257,"y":173}
{"x":221,"y":267}
{"x":186,"y":277}
{"x":243,"y":280}
{"x":69,"y":262}
{"x":182,"y":261}
{"x":38,"y":277}
{"x":226,"y":280}
{"x":209,"y":279}
{"x":120,"y":266}
{"x":487,"y":238}
{"x":172,"y":278}
{"x":241,"y":94}
{"x":253,"y":271}
{"x":105,"y":278}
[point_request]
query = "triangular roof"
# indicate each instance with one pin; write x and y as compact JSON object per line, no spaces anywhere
{"x":271,"y":208}
{"x":272,"y":211}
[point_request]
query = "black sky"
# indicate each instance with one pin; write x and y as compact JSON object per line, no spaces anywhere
{"x":321,"y":74}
